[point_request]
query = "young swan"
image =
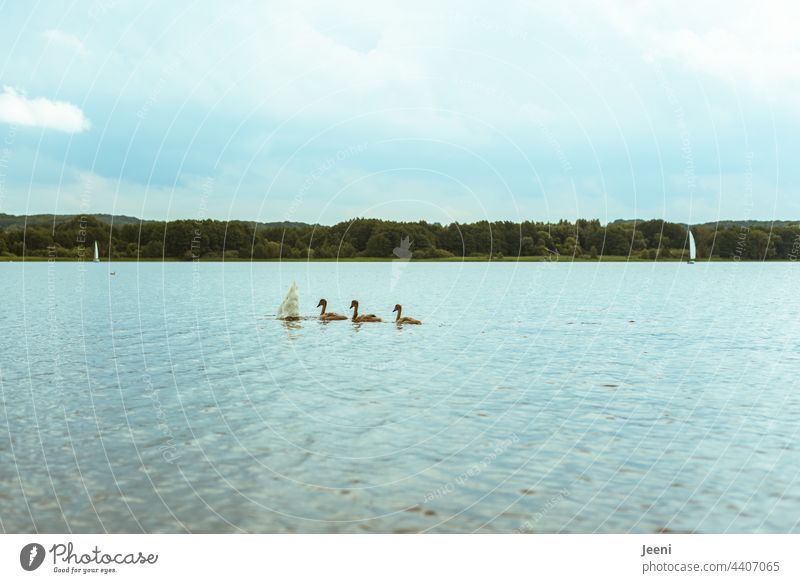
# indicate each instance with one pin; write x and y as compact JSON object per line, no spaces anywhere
{"x":323,"y":315}
{"x":403,"y":319}
{"x":364,"y":317}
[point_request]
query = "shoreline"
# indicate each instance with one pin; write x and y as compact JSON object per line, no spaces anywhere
{"x":482,"y":259}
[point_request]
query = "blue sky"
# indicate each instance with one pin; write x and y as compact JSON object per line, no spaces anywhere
{"x":323,"y":111}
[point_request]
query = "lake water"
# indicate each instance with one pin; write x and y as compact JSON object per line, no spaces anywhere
{"x":536,"y":397}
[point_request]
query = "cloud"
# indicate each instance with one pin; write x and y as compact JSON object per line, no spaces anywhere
{"x":770,"y":69}
{"x":756,"y":49}
{"x":39,"y":112}
{"x":66,"y":40}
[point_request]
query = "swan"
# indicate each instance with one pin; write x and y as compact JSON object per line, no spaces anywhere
{"x":328,"y":315}
{"x":403,"y":319}
{"x":364,"y":317}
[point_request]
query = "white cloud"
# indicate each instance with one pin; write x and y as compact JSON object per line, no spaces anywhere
{"x":66,"y":40}
{"x":17,"y":109}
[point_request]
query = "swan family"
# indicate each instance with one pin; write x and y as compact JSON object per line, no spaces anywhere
{"x":326,"y":316}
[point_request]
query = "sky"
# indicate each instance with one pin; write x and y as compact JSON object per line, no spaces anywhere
{"x":447,"y":111}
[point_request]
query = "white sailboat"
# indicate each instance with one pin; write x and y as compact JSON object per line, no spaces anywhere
{"x":692,"y":248}
{"x":96,"y":253}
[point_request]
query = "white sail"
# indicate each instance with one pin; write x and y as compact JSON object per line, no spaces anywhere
{"x":692,"y":247}
{"x":96,"y":253}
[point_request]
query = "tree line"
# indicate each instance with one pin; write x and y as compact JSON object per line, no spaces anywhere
{"x":74,"y":237}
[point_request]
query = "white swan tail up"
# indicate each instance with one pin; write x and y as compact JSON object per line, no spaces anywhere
{"x":290,"y":307}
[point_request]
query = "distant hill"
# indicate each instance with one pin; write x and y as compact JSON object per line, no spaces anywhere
{"x":759,"y":224}
{"x":724,"y":224}
{"x":39,"y":220}
{"x":277,"y":225}
{"x":7,"y":221}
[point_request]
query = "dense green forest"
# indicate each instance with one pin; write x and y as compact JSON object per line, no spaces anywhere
{"x":128,"y":238}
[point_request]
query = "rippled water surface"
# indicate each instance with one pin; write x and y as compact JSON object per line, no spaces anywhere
{"x":536,"y":397}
